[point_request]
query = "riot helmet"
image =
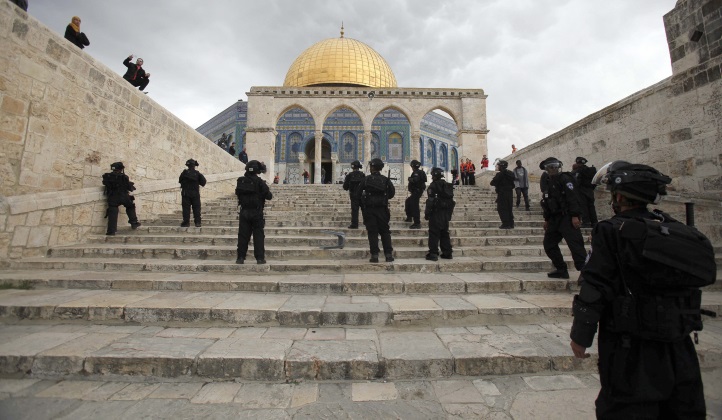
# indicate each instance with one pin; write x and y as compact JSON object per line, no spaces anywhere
{"x":635,"y":181}
{"x":117,"y":166}
{"x":356,"y":164}
{"x":580,"y":160}
{"x":550,"y":163}
{"x":262,"y":167}
{"x":377,"y":163}
{"x":415,"y":163}
{"x":437,"y":173}
{"x":191,"y":162}
{"x":253,"y":167}
{"x":502,"y":164}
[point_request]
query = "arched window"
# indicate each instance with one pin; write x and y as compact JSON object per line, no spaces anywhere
{"x":375,"y":146}
{"x":294,"y":146}
{"x":348,"y":147}
{"x":441,"y":161}
{"x":396,"y":147}
{"x":429,"y":161}
{"x":454,"y":159}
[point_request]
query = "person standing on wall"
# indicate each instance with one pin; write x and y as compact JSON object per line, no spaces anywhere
{"x":521,"y":184}
{"x":503,"y":182}
{"x":374,"y":193}
{"x":350,"y":183}
{"x":641,"y":288}
{"x":73,"y":34}
{"x":136,"y":75}
{"x":561,"y":218}
{"x":117,"y":189}
{"x":584,"y":175}
{"x":191,"y":180}
{"x":252,"y":193}
{"x":416,"y":186}
{"x":484,"y":163}
{"x":438,"y":211}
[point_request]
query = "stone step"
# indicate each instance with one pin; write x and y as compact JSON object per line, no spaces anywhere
{"x":319,"y":230}
{"x":357,"y":251}
{"x":343,"y":284}
{"x":417,"y":265}
{"x":294,"y":354}
{"x":342,"y":222}
{"x":359,"y":239}
{"x":294,"y":307}
{"x":327,"y":284}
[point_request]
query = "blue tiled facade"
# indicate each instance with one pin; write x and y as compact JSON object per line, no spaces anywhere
{"x":343,"y":130}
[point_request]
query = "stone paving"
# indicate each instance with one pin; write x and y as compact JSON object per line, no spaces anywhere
{"x":527,"y":396}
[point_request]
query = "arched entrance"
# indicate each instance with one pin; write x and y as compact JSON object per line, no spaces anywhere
{"x":326,"y":162}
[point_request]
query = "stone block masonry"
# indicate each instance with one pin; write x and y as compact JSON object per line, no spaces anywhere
{"x":674,"y":125}
{"x":64,"y":118}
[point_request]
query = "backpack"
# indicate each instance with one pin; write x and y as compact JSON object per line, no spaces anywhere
{"x":663,"y":263}
{"x":247,"y":193}
{"x":113,"y":183}
{"x":354,"y":179}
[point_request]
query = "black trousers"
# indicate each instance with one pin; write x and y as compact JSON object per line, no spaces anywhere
{"x":194,"y":201}
{"x":439,"y":232}
{"x":560,"y":227}
{"x":354,"y":211}
{"x":589,"y":211}
{"x":115,"y":201}
{"x":504,"y":205}
{"x":472,"y":178}
{"x":648,"y":379}
{"x":519,"y":193}
{"x":464,"y":178}
{"x":412,"y":206}
{"x":376,"y":220}
{"x":139,"y":83}
{"x":251,"y":222}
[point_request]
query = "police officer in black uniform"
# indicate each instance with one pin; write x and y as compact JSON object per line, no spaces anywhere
{"x":350,"y":183}
{"x":438,"y":211}
{"x":191,"y":180}
{"x":416,"y":186}
{"x":645,"y":309}
{"x":503,"y":182}
{"x":117,"y":188}
{"x":252,"y":193}
{"x":561,"y":218}
{"x":584,"y":175}
{"x":374,"y":194}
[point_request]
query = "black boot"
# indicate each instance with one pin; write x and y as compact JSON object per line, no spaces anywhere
{"x":432,"y":257}
{"x":559,"y":273}
{"x":374,"y":258}
{"x":389,"y":258}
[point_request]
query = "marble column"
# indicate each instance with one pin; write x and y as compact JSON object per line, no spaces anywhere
{"x":367,"y":148}
{"x":317,"y":158}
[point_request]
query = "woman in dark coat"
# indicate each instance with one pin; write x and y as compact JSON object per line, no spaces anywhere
{"x":73,"y":34}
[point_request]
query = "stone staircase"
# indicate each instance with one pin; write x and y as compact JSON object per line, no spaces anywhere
{"x":169,"y":302}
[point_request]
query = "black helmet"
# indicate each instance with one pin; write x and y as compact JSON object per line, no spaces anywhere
{"x":635,"y":181}
{"x":262,"y":167}
{"x":580,"y":160}
{"x":356,"y":164}
{"x":191,"y":162}
{"x":117,"y":165}
{"x":437,"y":173}
{"x":552,"y":162}
{"x":377,"y":163}
{"x":253,"y":167}
{"x":502,"y":164}
{"x":415,"y":163}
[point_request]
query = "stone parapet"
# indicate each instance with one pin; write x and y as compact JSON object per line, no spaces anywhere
{"x":65,"y":118}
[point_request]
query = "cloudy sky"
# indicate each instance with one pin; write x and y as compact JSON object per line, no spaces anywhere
{"x":543,"y":63}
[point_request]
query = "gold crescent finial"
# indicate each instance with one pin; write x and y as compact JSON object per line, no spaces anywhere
{"x":341,"y":29}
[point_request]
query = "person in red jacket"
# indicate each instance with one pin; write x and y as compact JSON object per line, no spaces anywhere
{"x":135,"y":75}
{"x":484,"y":163}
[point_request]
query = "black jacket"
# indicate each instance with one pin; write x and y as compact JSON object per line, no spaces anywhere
{"x":503,"y":181}
{"x":561,"y":198}
{"x":191,"y":180}
{"x":77,"y":38}
{"x":133,"y":73}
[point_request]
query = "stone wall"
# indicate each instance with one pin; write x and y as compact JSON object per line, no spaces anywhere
{"x":674,"y":125}
{"x":64,"y":118}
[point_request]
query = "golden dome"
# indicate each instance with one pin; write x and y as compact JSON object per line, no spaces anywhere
{"x":340,"y":61}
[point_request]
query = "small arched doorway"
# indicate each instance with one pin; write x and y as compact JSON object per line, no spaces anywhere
{"x":326,"y":163}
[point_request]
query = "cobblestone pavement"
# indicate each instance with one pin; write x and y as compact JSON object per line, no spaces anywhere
{"x":565,"y":396}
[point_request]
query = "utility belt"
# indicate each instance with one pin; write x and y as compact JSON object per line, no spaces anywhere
{"x":668,"y":317}
{"x":375,"y":200}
